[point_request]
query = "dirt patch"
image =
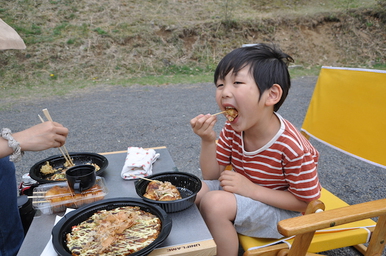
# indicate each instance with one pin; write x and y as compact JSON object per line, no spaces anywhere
{"x":99,"y":50}
{"x":356,"y":38}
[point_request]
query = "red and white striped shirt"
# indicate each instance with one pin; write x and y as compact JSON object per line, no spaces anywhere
{"x":287,"y":162}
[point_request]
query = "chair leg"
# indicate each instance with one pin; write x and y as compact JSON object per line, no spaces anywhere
{"x":301,"y":244}
{"x":284,"y":252}
{"x":361,"y":248}
{"x":378,"y":238}
{"x":266,"y":251}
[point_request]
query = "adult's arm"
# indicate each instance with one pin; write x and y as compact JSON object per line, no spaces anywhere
{"x":37,"y":138}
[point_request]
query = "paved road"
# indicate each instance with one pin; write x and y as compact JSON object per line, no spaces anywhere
{"x":110,"y":118}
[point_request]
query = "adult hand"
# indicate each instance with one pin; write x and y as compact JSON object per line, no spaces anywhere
{"x":236,"y":183}
{"x":202,"y":125}
{"x":42,"y":136}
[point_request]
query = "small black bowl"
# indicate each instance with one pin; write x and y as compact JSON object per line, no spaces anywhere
{"x":60,"y":230}
{"x":57,"y":161}
{"x":188,"y":185}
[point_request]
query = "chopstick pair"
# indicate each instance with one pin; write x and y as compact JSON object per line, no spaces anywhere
{"x":63,"y":148}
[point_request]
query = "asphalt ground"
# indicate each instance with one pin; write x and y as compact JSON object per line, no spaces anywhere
{"x":111,"y":118}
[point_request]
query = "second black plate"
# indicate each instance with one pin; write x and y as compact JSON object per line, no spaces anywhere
{"x":57,"y":161}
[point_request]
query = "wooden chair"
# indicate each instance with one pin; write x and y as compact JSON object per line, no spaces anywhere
{"x":347,"y":112}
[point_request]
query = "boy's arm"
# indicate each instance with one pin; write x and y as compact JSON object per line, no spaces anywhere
{"x":236,"y":183}
{"x":302,"y":177}
{"x":279,"y":198}
{"x":210,"y":168}
{"x":202,"y":125}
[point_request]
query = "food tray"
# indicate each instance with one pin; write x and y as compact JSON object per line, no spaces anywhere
{"x":188,"y":185}
{"x":73,"y":218}
{"x":57,"y":161}
{"x":48,"y":203}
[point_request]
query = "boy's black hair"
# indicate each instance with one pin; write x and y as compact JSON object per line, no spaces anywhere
{"x":268,"y":65}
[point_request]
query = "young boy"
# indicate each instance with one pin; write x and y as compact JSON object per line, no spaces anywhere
{"x":274,"y":173}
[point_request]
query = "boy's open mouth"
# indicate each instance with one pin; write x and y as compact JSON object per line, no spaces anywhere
{"x":231,"y":113}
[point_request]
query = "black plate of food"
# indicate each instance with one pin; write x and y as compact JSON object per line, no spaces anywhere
{"x":88,"y":223}
{"x":187,"y":184}
{"x":52,"y":169}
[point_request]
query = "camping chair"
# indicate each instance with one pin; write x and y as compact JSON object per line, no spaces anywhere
{"x":341,"y":95}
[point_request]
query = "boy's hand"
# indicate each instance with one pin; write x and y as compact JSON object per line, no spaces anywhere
{"x":202,"y":125}
{"x":236,"y":183}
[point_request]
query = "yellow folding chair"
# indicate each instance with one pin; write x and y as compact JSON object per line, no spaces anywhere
{"x":347,"y":112}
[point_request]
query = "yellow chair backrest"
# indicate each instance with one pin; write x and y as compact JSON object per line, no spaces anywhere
{"x":349,"y":112}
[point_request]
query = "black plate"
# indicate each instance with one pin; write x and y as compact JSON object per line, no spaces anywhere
{"x":58,"y":161}
{"x":75,"y":217}
{"x":187,"y":183}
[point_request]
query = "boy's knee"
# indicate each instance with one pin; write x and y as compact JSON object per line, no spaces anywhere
{"x":212,"y":201}
{"x":204,"y":189}
{"x":218,"y":206}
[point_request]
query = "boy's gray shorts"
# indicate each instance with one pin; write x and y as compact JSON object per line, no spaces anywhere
{"x":254,"y":218}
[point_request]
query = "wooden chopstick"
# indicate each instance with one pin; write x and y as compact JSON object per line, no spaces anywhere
{"x":65,"y":153}
{"x":66,"y":157}
{"x":219,"y":113}
{"x":48,"y":116}
{"x":148,"y":179}
{"x":36,"y":196}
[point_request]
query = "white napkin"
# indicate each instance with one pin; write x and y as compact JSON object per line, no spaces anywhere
{"x":138,"y":163}
{"x":49,"y":249}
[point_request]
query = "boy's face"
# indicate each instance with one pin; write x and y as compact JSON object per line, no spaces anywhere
{"x":240,"y":91}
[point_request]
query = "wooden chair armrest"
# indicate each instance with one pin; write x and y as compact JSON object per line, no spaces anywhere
{"x":311,"y":222}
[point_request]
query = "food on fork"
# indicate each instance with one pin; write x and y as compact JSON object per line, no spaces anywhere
{"x":162,"y":191}
{"x":231,"y":113}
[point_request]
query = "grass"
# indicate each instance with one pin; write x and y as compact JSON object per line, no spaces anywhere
{"x":77,"y":44}
{"x":9,"y":96}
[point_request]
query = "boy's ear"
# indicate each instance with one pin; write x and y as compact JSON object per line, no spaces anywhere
{"x":274,"y":95}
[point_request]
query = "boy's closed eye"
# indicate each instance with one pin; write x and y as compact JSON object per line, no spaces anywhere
{"x":219,"y":85}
